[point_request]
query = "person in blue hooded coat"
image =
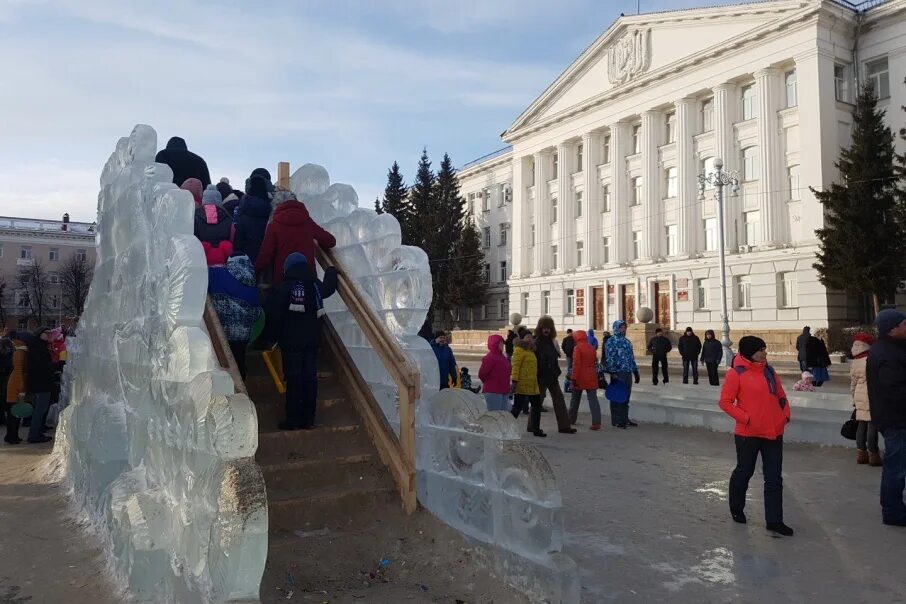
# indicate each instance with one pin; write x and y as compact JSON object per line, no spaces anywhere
{"x":252,"y":215}
{"x":619,"y":359}
{"x":593,"y":340}
{"x":293,"y":321}
{"x":234,"y":296}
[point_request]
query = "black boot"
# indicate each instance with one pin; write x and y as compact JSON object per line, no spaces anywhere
{"x":738,"y":517}
{"x":780,"y":528}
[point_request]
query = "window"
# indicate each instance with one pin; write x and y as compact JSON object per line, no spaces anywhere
{"x":579,"y":196}
{"x":670,"y":129}
{"x":636,"y":245}
{"x":605,"y":155}
{"x":707,"y":167}
{"x":751,"y":167}
{"x":54,"y":255}
{"x":524,"y":304}
{"x":486,"y":201}
{"x":580,"y":151}
{"x":553,"y":210}
{"x":708,"y":115}
{"x":487,"y":236}
{"x":672,"y":243}
{"x":700,"y":293}
{"x":637,"y":138}
{"x":749,"y":103}
{"x":743,"y":291}
{"x":555,"y":164}
{"x":502,"y":195}
{"x":753,"y":225}
{"x":503,"y":272}
{"x":787,"y":290}
{"x":503,"y":307}
{"x":636,"y":191}
{"x":672,"y":176}
{"x":605,"y":249}
{"x":605,"y":198}
{"x":484,"y":311}
{"x":487,"y":273}
{"x":580,"y":249}
{"x":878,"y":75}
{"x":570,"y":302}
{"x":533,"y":235}
{"x":546,"y":302}
{"x":792,"y":96}
{"x":841,"y":83}
{"x":792,"y":178}
{"x":1,"y":251}
{"x":710,"y":234}
{"x":53,"y":278}
{"x":554,"y":257}
{"x":25,"y":252}
{"x":503,"y":232}
{"x":81,"y":256}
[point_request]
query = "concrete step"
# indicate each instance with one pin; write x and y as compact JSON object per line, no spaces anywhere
{"x":332,"y":507}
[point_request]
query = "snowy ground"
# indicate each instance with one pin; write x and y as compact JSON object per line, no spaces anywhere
{"x":647,"y":521}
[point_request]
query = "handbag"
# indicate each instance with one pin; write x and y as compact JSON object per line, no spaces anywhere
{"x":617,"y":392}
{"x":848,"y":430}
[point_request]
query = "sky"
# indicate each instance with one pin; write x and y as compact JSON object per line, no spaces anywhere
{"x":353,"y":85}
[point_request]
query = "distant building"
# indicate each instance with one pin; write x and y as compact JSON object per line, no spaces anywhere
{"x":595,"y":207}
{"x":25,"y":242}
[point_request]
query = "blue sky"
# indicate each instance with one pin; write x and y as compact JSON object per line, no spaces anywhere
{"x":349,"y":84}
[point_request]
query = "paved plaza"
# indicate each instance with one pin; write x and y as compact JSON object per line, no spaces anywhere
{"x":647,"y":521}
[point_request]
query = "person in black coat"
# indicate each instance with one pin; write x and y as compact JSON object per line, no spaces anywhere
{"x":294,"y":323}
{"x":183,"y":162}
{"x":252,"y":215}
{"x":39,"y":379}
{"x":801,"y":343}
{"x":690,"y":346}
{"x":712,"y":354}
{"x":817,"y":358}
{"x":659,"y":346}
{"x":6,"y":367}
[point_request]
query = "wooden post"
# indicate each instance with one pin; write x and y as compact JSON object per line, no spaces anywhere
{"x":283,"y":174}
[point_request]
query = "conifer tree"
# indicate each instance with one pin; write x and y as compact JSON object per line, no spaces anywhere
{"x":468,"y":279}
{"x":422,"y":226}
{"x":862,"y":247}
{"x":395,"y":200}
{"x":448,"y":202}
{"x":377,"y":205}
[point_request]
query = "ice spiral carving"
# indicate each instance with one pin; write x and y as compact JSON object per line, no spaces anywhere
{"x":155,"y":445}
{"x":473,"y":471}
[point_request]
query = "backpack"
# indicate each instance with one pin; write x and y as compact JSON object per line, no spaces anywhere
{"x":298,"y":302}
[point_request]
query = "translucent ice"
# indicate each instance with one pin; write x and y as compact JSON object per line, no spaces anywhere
{"x":154,"y":443}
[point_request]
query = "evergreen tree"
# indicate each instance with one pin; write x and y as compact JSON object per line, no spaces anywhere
{"x":395,"y":201}
{"x":448,"y":202}
{"x":861,"y":245}
{"x":377,"y":205}
{"x":422,"y":225}
{"x":467,"y":282}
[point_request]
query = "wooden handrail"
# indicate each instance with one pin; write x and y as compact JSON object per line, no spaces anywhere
{"x":398,"y":453}
{"x":222,"y":347}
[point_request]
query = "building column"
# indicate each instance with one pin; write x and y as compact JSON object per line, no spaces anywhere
{"x":591,"y":235}
{"x":768,"y":84}
{"x":725,"y":111}
{"x":565,"y":229}
{"x":654,"y":215}
{"x":619,"y":140}
{"x":521,"y":218}
{"x":541,"y":251}
{"x":689,"y":221}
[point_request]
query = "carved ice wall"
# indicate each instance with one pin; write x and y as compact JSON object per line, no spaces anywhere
{"x":154,"y":444}
{"x":473,"y":471}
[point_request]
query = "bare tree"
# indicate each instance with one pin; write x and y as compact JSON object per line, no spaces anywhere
{"x":34,"y":288}
{"x":75,"y":279}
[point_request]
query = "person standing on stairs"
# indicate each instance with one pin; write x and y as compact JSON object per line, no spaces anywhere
{"x":234,"y":296}
{"x":291,"y":229}
{"x":293,"y":321}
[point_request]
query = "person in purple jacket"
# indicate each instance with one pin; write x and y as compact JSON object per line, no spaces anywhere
{"x":495,"y":375}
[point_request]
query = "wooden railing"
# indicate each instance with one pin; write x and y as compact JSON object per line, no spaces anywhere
{"x":222,"y":346}
{"x":397,"y":453}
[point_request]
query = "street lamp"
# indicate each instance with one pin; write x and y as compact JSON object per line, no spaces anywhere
{"x":720,"y":179}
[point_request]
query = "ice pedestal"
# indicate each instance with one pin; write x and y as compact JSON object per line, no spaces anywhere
{"x":155,"y":445}
{"x":473,"y":471}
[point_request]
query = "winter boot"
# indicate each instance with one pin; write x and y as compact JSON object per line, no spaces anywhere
{"x":874,"y":459}
{"x":861,"y":456}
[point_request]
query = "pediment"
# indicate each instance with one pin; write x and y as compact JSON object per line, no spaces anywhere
{"x":639,"y":46}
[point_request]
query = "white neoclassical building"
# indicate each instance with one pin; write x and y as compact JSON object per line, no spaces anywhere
{"x":595,"y":209}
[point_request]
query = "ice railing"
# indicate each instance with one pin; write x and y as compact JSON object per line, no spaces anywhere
{"x":473,"y":471}
{"x":155,"y":445}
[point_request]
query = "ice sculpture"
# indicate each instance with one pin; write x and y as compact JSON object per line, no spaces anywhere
{"x":473,"y":471}
{"x":155,"y":445}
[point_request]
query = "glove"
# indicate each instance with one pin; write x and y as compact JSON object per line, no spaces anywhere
{"x":513,"y":388}
{"x":636,"y":375}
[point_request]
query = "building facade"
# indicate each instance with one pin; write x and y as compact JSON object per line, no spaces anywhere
{"x":607,"y":214}
{"x":49,"y":244}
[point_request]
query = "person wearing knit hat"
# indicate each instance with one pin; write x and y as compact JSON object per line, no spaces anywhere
{"x":885,"y":373}
{"x":293,"y":321}
{"x":224,"y":188}
{"x":213,"y":223}
{"x":193,"y":186}
{"x":867,"y":451}
{"x":753,"y":396}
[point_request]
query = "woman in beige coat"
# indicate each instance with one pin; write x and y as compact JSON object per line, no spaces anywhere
{"x":866,"y":434}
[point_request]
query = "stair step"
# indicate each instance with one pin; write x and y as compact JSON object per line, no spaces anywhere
{"x":332,"y":508}
{"x":330,"y":412}
{"x":310,"y":474}
{"x":326,"y":442}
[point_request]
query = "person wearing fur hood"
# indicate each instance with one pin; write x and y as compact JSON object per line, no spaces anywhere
{"x":867,"y":451}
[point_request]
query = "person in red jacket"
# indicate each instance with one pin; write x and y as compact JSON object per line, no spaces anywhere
{"x":494,"y":374}
{"x":290,"y":230}
{"x":584,"y":378}
{"x":753,"y":395}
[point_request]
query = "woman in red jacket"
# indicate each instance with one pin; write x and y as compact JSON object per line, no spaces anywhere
{"x":584,"y":378}
{"x":754,"y":397}
{"x":290,"y":230}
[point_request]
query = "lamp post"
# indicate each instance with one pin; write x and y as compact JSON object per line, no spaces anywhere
{"x":720,"y":179}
